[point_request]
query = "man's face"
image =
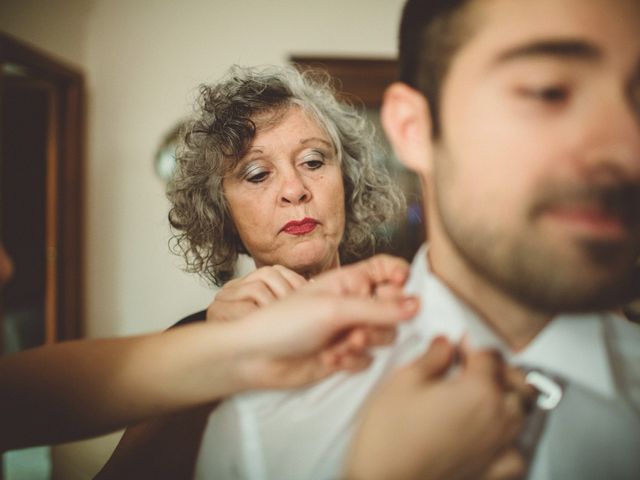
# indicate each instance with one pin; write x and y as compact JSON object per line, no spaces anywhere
{"x":536,"y":173}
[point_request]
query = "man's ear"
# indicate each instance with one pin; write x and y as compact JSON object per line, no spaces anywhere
{"x":407,"y":123}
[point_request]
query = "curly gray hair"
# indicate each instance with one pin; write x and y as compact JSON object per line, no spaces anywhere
{"x":219,"y":135}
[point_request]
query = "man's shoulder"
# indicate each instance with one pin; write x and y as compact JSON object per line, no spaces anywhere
{"x":623,"y":339}
{"x":623,"y":335}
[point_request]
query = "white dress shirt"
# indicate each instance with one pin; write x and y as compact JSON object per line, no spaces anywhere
{"x":593,"y":434}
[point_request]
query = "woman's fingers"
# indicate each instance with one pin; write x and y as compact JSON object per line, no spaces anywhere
{"x":361,"y":323}
{"x":436,"y":360}
{"x":354,"y":351}
{"x":280,"y":280}
{"x":256,"y":291}
{"x":360,"y":339}
{"x":515,"y":380}
{"x":380,"y":336}
{"x":351,"y":312}
{"x":262,"y":286}
{"x":354,"y":362}
{"x":388,"y":291}
{"x":333,"y":360}
{"x":484,"y":363}
{"x":326,"y":327}
{"x":365,"y":277}
{"x":386,"y":269}
{"x":295,"y":280}
{"x":517,"y":397}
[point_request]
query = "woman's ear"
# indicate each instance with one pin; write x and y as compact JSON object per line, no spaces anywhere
{"x":407,"y":123}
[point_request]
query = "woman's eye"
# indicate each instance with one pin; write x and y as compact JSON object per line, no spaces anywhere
{"x":256,"y":177}
{"x":313,"y":162}
{"x":547,"y":94}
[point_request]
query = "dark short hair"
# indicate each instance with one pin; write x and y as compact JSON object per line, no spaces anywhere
{"x":431,"y":32}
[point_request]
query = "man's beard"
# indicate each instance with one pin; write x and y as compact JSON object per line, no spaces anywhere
{"x":600,"y":274}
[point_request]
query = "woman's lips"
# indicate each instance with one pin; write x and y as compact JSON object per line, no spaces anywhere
{"x":300,"y":227}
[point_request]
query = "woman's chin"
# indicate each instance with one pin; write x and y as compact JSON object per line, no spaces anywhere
{"x":310,"y":263}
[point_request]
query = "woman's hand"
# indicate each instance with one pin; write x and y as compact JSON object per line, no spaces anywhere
{"x":242,"y":296}
{"x":326,"y":326}
{"x":423,"y":424}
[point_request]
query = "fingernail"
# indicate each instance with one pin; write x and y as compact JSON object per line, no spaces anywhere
{"x":440,"y":340}
{"x":410,"y":304}
{"x":399,"y":275}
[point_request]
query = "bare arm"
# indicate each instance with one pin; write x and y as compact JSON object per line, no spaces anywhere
{"x":79,"y":389}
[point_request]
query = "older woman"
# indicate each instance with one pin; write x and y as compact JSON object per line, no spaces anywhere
{"x":274,"y":166}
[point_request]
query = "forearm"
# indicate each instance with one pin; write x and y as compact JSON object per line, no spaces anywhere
{"x":79,"y":389}
{"x":84,"y":388}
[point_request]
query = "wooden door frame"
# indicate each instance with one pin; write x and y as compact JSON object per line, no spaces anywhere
{"x":364,"y":78}
{"x":65,"y":180}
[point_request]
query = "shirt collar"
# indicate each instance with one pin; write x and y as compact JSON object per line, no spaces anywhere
{"x":570,"y":346}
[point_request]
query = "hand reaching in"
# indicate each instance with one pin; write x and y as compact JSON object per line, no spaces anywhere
{"x":425,"y":424}
{"x":242,"y":296}
{"x":326,"y":326}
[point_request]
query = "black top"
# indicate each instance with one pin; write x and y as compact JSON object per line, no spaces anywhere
{"x":200,"y":316}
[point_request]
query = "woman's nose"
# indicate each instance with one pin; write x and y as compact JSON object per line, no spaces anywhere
{"x":294,"y":190}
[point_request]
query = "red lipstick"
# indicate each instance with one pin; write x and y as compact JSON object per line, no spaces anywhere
{"x":300,"y":227}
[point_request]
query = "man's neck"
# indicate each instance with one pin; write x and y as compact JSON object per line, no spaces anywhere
{"x":512,"y":321}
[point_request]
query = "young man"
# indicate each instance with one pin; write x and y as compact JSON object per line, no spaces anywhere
{"x":522,"y":120}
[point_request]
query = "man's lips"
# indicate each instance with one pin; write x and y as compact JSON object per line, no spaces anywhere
{"x":591,"y":220}
{"x":605,"y":211}
{"x":300,"y":227}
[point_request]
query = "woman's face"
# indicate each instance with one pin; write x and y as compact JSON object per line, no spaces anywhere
{"x":286,"y":195}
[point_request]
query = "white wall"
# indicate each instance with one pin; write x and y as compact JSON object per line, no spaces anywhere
{"x":144,"y":60}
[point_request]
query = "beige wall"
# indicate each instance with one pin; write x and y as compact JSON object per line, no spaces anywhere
{"x":144,"y":60}
{"x":59,"y":27}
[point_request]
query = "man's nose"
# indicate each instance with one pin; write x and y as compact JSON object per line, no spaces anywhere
{"x":615,"y":143}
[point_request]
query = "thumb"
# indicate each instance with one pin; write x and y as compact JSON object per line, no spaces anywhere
{"x":437,"y":359}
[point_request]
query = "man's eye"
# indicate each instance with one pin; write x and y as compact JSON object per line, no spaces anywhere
{"x":547,"y":94}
